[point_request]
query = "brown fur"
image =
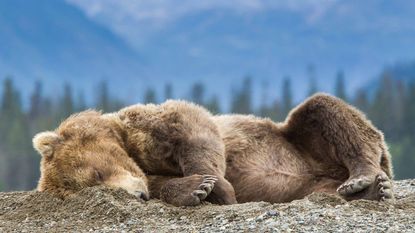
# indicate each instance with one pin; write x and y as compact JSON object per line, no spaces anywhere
{"x":178,"y":139}
{"x":175,"y":139}
{"x":86,"y":150}
{"x":324,"y":145}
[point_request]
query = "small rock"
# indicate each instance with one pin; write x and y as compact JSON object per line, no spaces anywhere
{"x":272,"y":213}
{"x":260,"y":218}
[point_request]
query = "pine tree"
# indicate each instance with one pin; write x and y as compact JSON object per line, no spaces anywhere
{"x":81,"y":102}
{"x":286,"y":97}
{"x":384,"y":100}
{"x":403,"y":158}
{"x":17,"y":146}
{"x":213,"y":105}
{"x":36,"y":101}
{"x":311,"y":73}
{"x":409,"y":112}
{"x":66,"y":105}
{"x":10,"y":105}
{"x":150,"y":96}
{"x":361,"y":101}
{"x":103,"y":101}
{"x":117,"y":104}
{"x":15,"y":138}
{"x":398,"y":102}
{"x":197,"y":93}
{"x":402,"y":148}
{"x":39,"y":112}
{"x":340,"y":90}
{"x":168,"y":91}
{"x":7,"y":103}
{"x":10,"y":109}
{"x":241,"y":101}
{"x":274,"y":112}
{"x":263,"y":106}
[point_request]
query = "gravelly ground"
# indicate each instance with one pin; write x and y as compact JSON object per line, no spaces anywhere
{"x":99,"y":209}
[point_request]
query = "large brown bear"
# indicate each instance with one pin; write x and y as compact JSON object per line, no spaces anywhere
{"x":188,"y":155}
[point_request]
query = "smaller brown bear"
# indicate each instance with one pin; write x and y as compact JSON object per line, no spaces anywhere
{"x":175,"y":143}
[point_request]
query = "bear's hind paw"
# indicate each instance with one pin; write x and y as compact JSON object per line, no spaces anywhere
{"x":384,"y":188}
{"x":377,"y":187}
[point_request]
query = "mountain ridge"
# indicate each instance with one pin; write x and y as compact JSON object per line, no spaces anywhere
{"x":54,"y":42}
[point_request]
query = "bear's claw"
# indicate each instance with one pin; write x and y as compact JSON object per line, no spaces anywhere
{"x":199,"y":194}
{"x":384,"y":187}
{"x":205,"y":187}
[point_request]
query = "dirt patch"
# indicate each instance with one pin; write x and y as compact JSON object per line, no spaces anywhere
{"x":101,"y":209}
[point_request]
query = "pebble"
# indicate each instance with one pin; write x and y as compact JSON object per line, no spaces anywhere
{"x":272,"y":213}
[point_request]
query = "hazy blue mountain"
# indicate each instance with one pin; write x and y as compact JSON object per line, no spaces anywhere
{"x":221,"y":42}
{"x":53,"y":41}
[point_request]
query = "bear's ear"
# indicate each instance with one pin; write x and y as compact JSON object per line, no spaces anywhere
{"x":45,"y":142}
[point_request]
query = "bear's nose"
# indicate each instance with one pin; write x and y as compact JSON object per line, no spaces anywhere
{"x":142,"y":195}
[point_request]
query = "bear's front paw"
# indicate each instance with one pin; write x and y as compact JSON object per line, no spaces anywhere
{"x":189,"y":190}
{"x":205,"y":187}
{"x":223,"y":193}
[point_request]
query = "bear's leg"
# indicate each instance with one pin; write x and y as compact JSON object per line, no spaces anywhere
{"x":327,"y":186}
{"x":192,"y":189}
{"x":205,"y":156}
{"x":181,"y":191}
{"x":179,"y":138}
{"x":334,"y":134}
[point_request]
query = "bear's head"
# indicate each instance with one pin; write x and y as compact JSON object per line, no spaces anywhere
{"x":86,"y":150}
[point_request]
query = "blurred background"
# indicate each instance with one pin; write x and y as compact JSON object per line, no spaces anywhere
{"x":243,"y":56}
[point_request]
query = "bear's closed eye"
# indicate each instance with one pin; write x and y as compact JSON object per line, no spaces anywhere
{"x":98,"y":176}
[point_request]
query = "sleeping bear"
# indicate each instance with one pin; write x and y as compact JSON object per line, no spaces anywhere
{"x":179,"y":152}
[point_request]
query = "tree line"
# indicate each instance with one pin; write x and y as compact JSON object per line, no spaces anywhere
{"x":390,"y":106}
